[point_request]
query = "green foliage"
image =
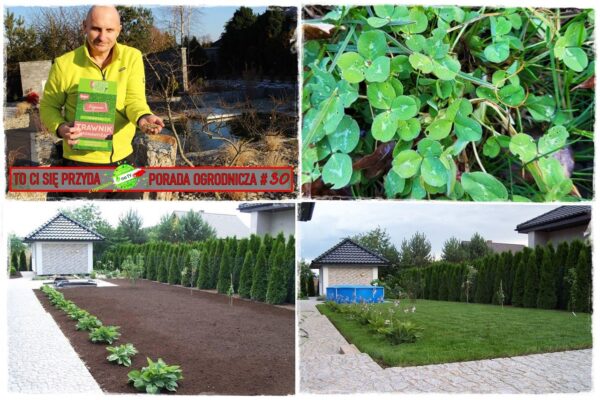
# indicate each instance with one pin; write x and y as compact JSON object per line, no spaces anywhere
{"x":133,"y":270}
{"x":245,"y":286}
{"x":260,"y":272}
{"x":240,"y":253}
{"x":519,"y":283}
{"x":88,"y":323}
{"x":22,"y":261}
{"x":77,"y":314}
{"x":105,"y":334}
{"x":451,"y":98}
{"x":379,"y":241}
{"x":155,"y":377}
{"x":121,"y":354}
{"x":532,"y":278}
{"x":277,"y":280}
{"x":203,"y":271}
{"x":582,"y":290}
{"x":416,"y":251}
{"x":547,"y":293}
{"x":225,"y":271}
{"x":307,"y":285}
{"x":403,"y":332}
{"x":163,"y":269}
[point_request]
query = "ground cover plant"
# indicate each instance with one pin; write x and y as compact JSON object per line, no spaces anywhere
{"x":454,"y":332}
{"x":156,"y":376}
{"x":244,"y":349}
{"x":455,"y":103}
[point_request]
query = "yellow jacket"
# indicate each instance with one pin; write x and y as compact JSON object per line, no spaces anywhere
{"x":126,"y":68}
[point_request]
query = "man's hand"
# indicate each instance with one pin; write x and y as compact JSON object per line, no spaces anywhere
{"x":68,"y":132}
{"x":151,"y":124}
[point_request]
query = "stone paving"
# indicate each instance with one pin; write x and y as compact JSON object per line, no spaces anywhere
{"x":324,"y":370}
{"x":40,"y":357}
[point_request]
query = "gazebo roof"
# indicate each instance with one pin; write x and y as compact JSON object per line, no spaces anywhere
{"x":63,"y":229}
{"x":348,"y":252}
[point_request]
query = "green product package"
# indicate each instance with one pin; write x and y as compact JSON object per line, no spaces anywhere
{"x":95,"y":114}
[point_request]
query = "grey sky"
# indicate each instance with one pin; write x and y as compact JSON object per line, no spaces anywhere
{"x":333,"y":221}
{"x":22,"y":217}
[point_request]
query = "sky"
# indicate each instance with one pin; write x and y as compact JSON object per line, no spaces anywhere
{"x":332,"y":221}
{"x":205,"y":21}
{"x":21,"y":217}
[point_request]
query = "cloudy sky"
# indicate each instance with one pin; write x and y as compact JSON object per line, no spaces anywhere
{"x":22,"y":217}
{"x":333,"y":221}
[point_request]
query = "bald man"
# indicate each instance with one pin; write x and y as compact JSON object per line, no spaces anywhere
{"x":100,"y":58}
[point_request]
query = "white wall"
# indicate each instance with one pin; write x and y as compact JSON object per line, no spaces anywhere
{"x":274,"y":222}
{"x":564,"y":235}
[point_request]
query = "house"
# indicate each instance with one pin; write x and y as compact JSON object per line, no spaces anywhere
{"x":271,"y":218}
{"x":347,"y":263}
{"x":565,"y":223}
{"x":62,"y":246}
{"x":225,"y":225}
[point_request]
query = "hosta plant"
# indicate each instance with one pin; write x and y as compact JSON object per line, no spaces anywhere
{"x":451,"y":103}
{"x":121,"y":354}
{"x":402,"y":332}
{"x":105,"y":334}
{"x":88,"y":323}
{"x":156,"y":377}
{"x":77,"y":313}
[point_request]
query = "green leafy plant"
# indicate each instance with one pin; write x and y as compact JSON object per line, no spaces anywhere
{"x":402,"y":332}
{"x":88,"y":323}
{"x":105,"y":334}
{"x":156,"y":377}
{"x":450,"y":103}
{"x":121,"y":354}
{"x":77,"y":313}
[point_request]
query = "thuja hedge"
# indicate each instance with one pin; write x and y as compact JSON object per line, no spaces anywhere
{"x":542,"y":277}
{"x":260,"y":268}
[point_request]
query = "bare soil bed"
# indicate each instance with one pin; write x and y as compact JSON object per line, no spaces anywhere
{"x":244,"y":349}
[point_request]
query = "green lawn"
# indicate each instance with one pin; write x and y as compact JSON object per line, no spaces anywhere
{"x":460,"y":332}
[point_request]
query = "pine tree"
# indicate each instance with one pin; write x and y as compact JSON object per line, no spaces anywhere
{"x":547,"y":292}
{"x":519,"y":284}
{"x":290,"y":263}
{"x":245,"y":284}
{"x":560,"y":264}
{"x":203,"y":281}
{"x":276,"y":287}
{"x":532,"y":279}
{"x":225,"y":270}
{"x":583,"y":287}
{"x":260,"y":275}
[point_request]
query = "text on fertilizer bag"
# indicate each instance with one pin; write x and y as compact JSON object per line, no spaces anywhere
{"x":151,"y":179}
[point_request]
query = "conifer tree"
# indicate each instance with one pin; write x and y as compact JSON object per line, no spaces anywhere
{"x":163,"y":272}
{"x":532,"y":282}
{"x":443,"y":283}
{"x":290,"y":263}
{"x":547,"y":292}
{"x":240,"y":253}
{"x":22,"y":261}
{"x":277,"y":284}
{"x":203,"y":271}
{"x":216,"y":263}
{"x":245,"y":284}
{"x":583,"y":287}
{"x":260,"y":275}
{"x":225,"y":270}
{"x":560,"y":261}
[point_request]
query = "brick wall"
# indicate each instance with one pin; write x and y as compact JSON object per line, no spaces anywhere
{"x":64,"y":258}
{"x":350,"y":276}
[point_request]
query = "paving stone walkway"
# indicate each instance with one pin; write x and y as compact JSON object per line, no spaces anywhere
{"x":324,"y":370}
{"x":40,"y":358}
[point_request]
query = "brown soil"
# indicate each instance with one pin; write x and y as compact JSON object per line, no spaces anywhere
{"x":244,"y":349}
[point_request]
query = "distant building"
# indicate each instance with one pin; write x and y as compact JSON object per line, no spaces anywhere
{"x":226,"y":225}
{"x":62,"y":246}
{"x":347,"y":263}
{"x":496,"y":247}
{"x":563,"y":224}
{"x":271,"y":218}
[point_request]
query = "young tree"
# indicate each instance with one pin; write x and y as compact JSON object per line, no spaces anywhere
{"x":547,"y":293}
{"x":289,"y":265}
{"x":133,"y":270}
{"x":454,"y":251}
{"x":260,"y":276}
{"x":560,"y":264}
{"x":532,"y":282}
{"x":238,"y":262}
{"x":163,"y":268}
{"x":277,"y":284}
{"x":224,"y":271}
{"x":216,"y":263}
{"x":519,"y":282}
{"x":583,"y":287}
{"x":570,"y":263}
{"x":379,"y":241}
{"x":204,"y":271}
{"x":22,"y":261}
{"x":131,"y":226}
{"x":245,"y":285}
{"x":415,"y":252}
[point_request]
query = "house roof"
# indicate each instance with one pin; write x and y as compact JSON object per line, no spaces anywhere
{"x":348,"y":252}
{"x":256,"y":207}
{"x":63,"y":229}
{"x":226,"y":225}
{"x":305,"y":210}
{"x":559,"y":218}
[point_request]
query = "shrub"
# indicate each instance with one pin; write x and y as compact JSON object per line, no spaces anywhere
{"x":203,"y":271}
{"x":403,"y":332}
{"x":225,"y":271}
{"x":259,"y":276}
{"x":532,"y":279}
{"x":78,"y":313}
{"x":133,"y":270}
{"x":105,"y":334}
{"x":582,"y":289}
{"x":121,"y":354}
{"x":547,"y":294}
{"x":277,"y":283}
{"x":245,"y":284}
{"x":156,"y":376}
{"x":22,"y":261}
{"x":88,"y":323}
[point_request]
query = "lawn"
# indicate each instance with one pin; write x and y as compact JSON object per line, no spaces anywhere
{"x":460,"y":332}
{"x":243,"y":349}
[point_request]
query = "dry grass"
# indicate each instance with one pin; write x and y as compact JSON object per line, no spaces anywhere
{"x":22,"y":108}
{"x":248,"y":156}
{"x":275,"y":159}
{"x":274,"y":142}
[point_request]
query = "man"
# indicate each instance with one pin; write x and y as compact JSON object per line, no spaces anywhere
{"x":102,"y":58}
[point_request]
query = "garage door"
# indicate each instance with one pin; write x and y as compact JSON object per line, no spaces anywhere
{"x":64,"y":258}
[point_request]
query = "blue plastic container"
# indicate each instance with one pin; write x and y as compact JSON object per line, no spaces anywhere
{"x":355,"y":294}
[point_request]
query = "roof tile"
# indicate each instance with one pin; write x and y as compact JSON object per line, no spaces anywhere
{"x":348,"y":252}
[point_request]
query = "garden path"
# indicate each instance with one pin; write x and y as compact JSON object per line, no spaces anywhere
{"x":40,"y":358}
{"x":324,"y":370}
